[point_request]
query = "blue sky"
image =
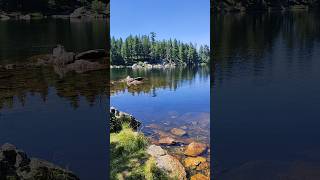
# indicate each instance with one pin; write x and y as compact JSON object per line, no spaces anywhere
{"x":185,"y":20}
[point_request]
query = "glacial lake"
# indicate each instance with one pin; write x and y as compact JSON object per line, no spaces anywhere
{"x":59,"y":119}
{"x":168,"y":98}
{"x":266,"y":96}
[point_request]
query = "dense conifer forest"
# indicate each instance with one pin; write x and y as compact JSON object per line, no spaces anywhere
{"x":147,"y":48}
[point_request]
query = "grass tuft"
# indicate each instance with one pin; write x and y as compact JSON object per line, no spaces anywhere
{"x":129,"y":159}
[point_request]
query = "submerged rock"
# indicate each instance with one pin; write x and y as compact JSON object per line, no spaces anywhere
{"x":195,"y":149}
{"x":167,"y":141}
{"x":15,"y":164}
{"x":178,"y":132}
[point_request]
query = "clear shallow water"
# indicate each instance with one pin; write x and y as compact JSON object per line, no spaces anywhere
{"x":61,"y":120}
{"x":167,"y":99}
{"x":266,"y":96}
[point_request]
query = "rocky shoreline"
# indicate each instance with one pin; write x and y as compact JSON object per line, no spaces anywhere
{"x":146,"y":65}
{"x":262,"y":6}
{"x":15,"y":164}
{"x":83,"y":12}
{"x":192,"y":164}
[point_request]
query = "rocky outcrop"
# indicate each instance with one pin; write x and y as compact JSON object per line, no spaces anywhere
{"x":15,"y":164}
{"x":133,"y":81}
{"x":167,"y":163}
{"x":64,"y":62}
{"x":118,"y":119}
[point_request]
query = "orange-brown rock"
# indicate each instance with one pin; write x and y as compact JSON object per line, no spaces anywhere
{"x":195,"y":149}
{"x":194,"y":161}
{"x":203,"y":166}
{"x":199,"y":177}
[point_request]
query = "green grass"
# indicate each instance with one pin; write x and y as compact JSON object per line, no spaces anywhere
{"x":129,"y":157}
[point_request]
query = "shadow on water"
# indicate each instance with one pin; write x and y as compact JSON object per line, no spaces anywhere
{"x":266,"y":96}
{"x":60,"y":119}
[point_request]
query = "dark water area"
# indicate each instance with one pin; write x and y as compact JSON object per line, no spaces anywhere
{"x":22,"y":39}
{"x":59,"y":119}
{"x":168,"y":98}
{"x":266,"y":96}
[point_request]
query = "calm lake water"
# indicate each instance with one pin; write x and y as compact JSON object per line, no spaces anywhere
{"x":168,"y":98}
{"x":61,"y":120}
{"x":22,"y":39}
{"x":266,"y":96}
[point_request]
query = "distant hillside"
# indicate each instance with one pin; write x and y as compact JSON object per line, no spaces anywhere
{"x":262,"y":5}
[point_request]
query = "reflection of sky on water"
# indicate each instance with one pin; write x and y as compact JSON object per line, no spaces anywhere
{"x":166,"y":106}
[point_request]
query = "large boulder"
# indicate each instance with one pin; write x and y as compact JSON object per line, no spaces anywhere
{"x":15,"y":164}
{"x":167,"y":163}
{"x":92,"y":54}
{"x":171,"y":166}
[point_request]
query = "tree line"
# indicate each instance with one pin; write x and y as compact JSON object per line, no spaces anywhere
{"x":146,"y":48}
{"x":47,"y":6}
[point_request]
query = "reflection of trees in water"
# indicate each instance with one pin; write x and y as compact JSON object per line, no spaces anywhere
{"x":156,"y":79}
{"x":245,"y":39}
{"x":22,"y":39}
{"x":17,"y":83}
